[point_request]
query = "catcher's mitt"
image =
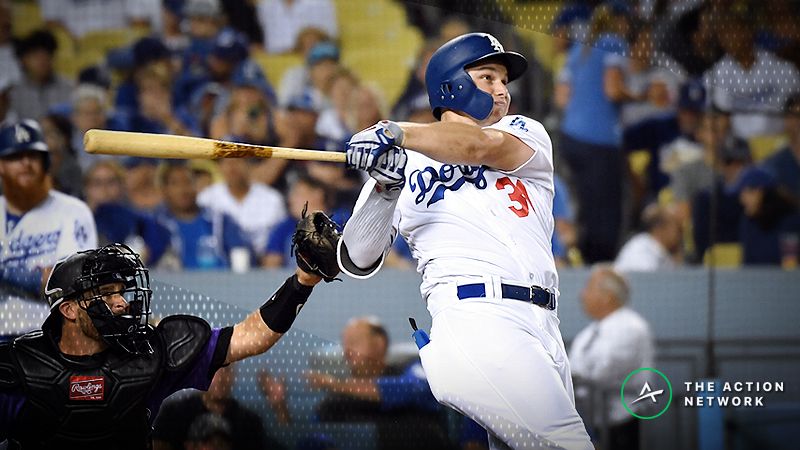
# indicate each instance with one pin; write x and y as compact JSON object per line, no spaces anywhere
{"x":314,"y":244}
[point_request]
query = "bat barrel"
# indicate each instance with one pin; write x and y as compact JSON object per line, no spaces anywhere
{"x":185,"y":147}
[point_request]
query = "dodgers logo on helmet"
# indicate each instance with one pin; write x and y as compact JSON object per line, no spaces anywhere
{"x":23,"y":136}
{"x":450,"y":86}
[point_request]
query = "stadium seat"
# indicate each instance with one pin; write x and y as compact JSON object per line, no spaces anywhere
{"x":25,"y":17}
{"x":725,"y":255}
{"x":274,"y":66}
{"x":105,"y":40}
{"x":762,"y":146}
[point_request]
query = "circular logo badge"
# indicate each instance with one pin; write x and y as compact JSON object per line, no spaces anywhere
{"x":648,"y":394}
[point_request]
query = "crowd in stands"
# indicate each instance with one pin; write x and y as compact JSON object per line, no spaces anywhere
{"x":676,"y":124}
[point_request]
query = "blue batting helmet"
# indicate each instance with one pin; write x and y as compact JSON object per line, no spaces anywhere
{"x":450,"y":86}
{"x":22,"y":136}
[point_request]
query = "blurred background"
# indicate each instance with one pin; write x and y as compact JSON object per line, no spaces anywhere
{"x":676,"y":132}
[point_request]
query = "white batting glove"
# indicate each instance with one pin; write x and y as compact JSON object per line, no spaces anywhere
{"x":389,"y":172}
{"x":367,"y":145}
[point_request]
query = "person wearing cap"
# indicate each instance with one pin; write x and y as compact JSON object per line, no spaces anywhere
{"x":40,"y":87}
{"x":590,"y":90}
{"x":38,"y":226}
{"x":296,"y":80}
{"x":733,"y":157}
{"x":784,"y":165}
{"x":770,"y":222}
{"x":283,"y":21}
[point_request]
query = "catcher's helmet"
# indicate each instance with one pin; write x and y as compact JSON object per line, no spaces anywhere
{"x":23,"y":136}
{"x":83,"y":274}
{"x":450,"y":86}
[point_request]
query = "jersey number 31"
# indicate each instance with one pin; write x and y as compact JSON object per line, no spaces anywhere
{"x":518,"y":195}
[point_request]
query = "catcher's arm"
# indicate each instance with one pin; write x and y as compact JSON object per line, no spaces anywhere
{"x":315,"y":240}
{"x":368,"y":234}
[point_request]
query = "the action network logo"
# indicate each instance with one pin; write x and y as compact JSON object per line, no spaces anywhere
{"x":646,"y":393}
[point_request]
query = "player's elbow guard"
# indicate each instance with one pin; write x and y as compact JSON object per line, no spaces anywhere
{"x":354,"y":268}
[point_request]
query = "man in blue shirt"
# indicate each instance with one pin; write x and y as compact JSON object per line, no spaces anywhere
{"x":200,"y":238}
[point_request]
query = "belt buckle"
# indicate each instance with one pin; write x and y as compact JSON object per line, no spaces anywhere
{"x":550,"y":297}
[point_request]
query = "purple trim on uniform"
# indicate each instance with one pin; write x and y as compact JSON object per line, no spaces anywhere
{"x":196,"y":376}
{"x":10,"y":405}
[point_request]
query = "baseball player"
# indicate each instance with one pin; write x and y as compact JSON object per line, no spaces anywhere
{"x":38,"y":226}
{"x":97,"y":372}
{"x":473,"y":197}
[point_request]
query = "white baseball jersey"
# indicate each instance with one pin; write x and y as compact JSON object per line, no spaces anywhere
{"x":475,"y":220}
{"x":58,"y":227}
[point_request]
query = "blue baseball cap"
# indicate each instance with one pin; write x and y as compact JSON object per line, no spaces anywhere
{"x":231,"y":46}
{"x":692,"y":96}
{"x":754,"y":177}
{"x":321,"y":51}
{"x":149,"y":49}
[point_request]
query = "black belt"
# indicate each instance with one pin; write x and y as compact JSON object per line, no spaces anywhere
{"x":532,"y":294}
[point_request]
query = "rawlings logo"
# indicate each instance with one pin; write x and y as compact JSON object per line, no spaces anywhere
{"x":86,"y":388}
{"x":447,"y":178}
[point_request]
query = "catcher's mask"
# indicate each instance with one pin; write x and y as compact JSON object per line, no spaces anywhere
{"x":90,"y":276}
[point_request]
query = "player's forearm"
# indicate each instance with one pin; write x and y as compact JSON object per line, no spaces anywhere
{"x":369,"y":233}
{"x":452,"y":142}
{"x":260,"y":330}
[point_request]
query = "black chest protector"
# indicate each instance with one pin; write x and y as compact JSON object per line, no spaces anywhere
{"x":100,"y":401}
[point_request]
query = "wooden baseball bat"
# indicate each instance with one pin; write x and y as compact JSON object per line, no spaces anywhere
{"x":185,"y":147}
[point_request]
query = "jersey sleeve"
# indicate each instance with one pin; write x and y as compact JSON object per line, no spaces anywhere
{"x":534,"y":135}
{"x":80,"y":231}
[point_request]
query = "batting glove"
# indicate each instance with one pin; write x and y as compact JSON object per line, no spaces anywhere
{"x":366,"y":146}
{"x":389,"y":172}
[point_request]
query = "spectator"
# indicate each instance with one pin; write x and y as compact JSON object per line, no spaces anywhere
{"x":334,"y":125}
{"x":685,"y":147}
{"x":734,"y":157}
{"x":770,"y":219}
{"x":6,"y":114}
{"x":64,"y":168}
{"x":171,"y":33}
{"x":415,"y":97}
{"x":196,"y":416}
{"x":616,"y":342}
{"x":784,"y":165}
{"x":397,"y":399}
{"x":90,"y":110}
{"x":79,"y":17}
{"x":247,"y":117}
{"x":692,"y":41}
{"x":200,"y":238}
{"x":155,"y":112}
{"x":204,"y":21}
{"x":657,"y":247}
{"x":40,"y":86}
{"x":306,"y":194}
{"x":8,"y":61}
{"x":323,"y":65}
{"x":118,"y":222}
{"x":343,"y":186}
{"x":283,"y":20}
{"x":750,"y":83}
{"x":697,"y":174}
{"x":591,"y":86}
{"x":149,"y":55}
{"x":140,"y":183}
{"x":296,"y":81}
{"x":564,"y":238}
{"x":243,"y":17}
{"x":255,"y":207}
{"x":40,"y":226}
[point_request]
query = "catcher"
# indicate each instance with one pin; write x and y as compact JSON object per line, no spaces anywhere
{"x":97,"y":372}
